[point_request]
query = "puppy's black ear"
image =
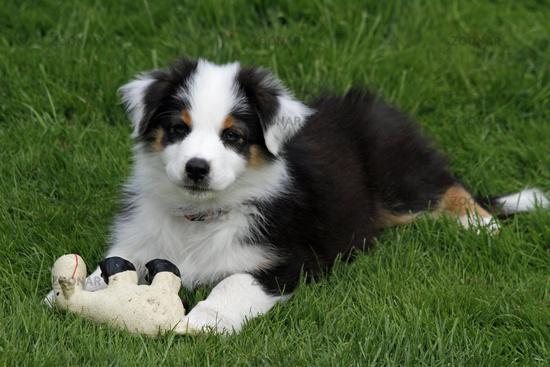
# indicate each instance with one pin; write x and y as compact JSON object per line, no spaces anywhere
{"x":148,"y":91}
{"x":280,"y":114}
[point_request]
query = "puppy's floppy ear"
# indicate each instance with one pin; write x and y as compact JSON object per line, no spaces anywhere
{"x":280,"y":114}
{"x":144,"y":95}
{"x":134,"y":95}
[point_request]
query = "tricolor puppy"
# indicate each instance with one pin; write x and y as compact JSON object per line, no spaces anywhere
{"x":244,"y":187}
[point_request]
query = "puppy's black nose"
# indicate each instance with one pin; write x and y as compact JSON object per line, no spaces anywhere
{"x":197,"y":169}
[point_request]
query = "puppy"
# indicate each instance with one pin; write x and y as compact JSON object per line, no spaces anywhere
{"x":243,"y":186}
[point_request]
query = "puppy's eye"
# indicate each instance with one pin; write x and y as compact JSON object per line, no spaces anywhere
{"x":179,"y":129}
{"x":231,"y":136}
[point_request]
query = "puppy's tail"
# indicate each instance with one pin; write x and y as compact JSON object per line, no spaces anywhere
{"x":508,"y":205}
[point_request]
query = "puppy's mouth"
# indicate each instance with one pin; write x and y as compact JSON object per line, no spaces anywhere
{"x":196,"y":189}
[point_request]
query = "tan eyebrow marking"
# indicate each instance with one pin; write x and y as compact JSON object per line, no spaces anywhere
{"x":186,"y":118}
{"x":228,"y":122}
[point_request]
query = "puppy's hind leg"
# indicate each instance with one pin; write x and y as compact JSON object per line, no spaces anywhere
{"x":457,"y":201}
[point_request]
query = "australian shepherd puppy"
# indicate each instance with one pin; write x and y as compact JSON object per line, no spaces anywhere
{"x":246,"y":188}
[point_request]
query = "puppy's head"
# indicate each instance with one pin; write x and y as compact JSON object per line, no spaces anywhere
{"x":209,"y":124}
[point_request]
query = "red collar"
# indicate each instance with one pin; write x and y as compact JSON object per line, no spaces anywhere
{"x":209,"y":214}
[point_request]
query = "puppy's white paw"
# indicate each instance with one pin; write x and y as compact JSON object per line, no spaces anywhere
{"x":209,"y":319}
{"x":486,"y":224}
{"x":231,"y":303}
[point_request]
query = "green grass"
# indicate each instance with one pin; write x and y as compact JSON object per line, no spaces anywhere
{"x":429,"y":293}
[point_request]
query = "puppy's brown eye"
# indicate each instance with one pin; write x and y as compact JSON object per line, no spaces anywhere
{"x":231,"y":136}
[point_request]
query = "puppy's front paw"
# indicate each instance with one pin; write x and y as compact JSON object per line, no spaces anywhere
{"x":210,"y":319}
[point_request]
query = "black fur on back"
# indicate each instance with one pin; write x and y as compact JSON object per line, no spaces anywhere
{"x":355,"y":157}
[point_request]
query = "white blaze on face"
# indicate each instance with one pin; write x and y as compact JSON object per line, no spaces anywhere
{"x":211,"y":96}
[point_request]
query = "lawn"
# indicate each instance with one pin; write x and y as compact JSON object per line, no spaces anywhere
{"x":475,"y":74}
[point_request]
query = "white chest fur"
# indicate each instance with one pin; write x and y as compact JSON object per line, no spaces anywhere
{"x":204,"y":251}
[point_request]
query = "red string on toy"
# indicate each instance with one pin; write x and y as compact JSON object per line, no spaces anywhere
{"x":76,"y":266}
